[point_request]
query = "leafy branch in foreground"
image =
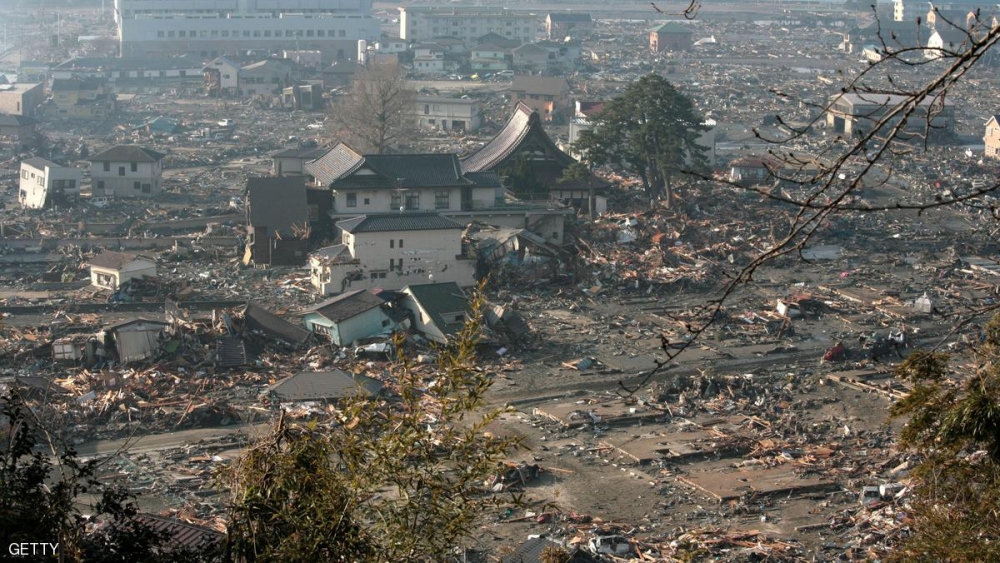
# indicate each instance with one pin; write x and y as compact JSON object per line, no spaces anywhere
{"x":390,"y":479}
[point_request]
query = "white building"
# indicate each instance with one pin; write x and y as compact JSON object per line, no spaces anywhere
{"x":110,"y":270}
{"x":448,"y":114}
{"x":127,"y":171}
{"x":391,"y":251}
{"x":467,"y":24}
{"x":44,"y":184}
{"x":210,"y":28}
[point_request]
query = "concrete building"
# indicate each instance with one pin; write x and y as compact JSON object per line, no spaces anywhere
{"x":127,"y":171}
{"x":466,"y":23}
{"x":390,"y":251}
{"x":219,"y":27}
{"x":559,"y":25}
{"x":448,"y":114}
{"x":670,"y":36}
{"x":45,"y":184}
{"x":22,"y":98}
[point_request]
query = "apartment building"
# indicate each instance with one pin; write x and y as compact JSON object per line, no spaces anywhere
{"x":466,"y":23}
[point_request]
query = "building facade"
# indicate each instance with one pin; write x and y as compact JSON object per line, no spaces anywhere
{"x":858,"y":114}
{"x":670,"y":36}
{"x":22,"y":98}
{"x":467,"y":24}
{"x":44,"y":184}
{"x":448,"y":114}
{"x":991,"y":140}
{"x":218,"y":27}
{"x":127,"y":171}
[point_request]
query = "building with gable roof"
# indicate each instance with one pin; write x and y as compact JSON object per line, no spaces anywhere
{"x":439,"y":309}
{"x":44,"y":184}
{"x":109,"y":270}
{"x":670,"y":36}
{"x":391,"y":250}
{"x":349,"y":317}
{"x":127,"y":171}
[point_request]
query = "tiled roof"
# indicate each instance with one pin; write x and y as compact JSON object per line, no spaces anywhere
{"x":403,"y":221}
{"x":303,"y":153}
{"x":542,"y":85}
{"x":259,"y":318}
{"x":672,"y":27}
{"x":336,"y":384}
{"x":530,"y":49}
{"x":437,"y":299}
{"x":115,"y":260}
{"x":333,"y":164}
{"x":331,"y":252}
{"x":523,"y":123}
{"x":347,"y":305}
{"x":127,"y":153}
{"x":75,"y":84}
{"x":180,"y":534}
{"x":407,"y":171}
{"x":39,"y":163}
{"x":16,"y":120}
{"x":278,"y":203}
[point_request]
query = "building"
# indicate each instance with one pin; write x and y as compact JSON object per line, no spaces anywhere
{"x":580,"y":122}
{"x":391,"y":250}
{"x":33,"y":71}
{"x":991,"y":139}
{"x":548,"y":95}
{"x":332,"y":386}
{"x":670,"y":36}
{"x":21,"y":98}
{"x":523,"y":137}
{"x":226,"y":27}
{"x":465,"y":23}
{"x":148,"y":74}
{"x":857,"y":114}
{"x":45,"y":184}
{"x":17,"y":128}
{"x":127,"y":171}
{"x":259,"y":320}
{"x":448,"y":114}
{"x":429,"y":58}
{"x":439,"y":310}
{"x":221,"y":77}
{"x":380,"y":183}
{"x":291,"y":162}
{"x":82,"y":98}
{"x":265,"y":78}
{"x":530,"y":58}
{"x":488,"y":57}
{"x":277,"y":221}
{"x":560,"y":25}
{"x":348,"y":317}
{"x":134,"y":340}
{"x":110,"y":270}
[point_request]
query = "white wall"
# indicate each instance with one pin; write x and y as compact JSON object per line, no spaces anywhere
{"x":123,"y":185}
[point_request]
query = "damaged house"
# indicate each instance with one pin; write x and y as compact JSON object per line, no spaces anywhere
{"x":110,"y":270}
{"x":349,"y":316}
{"x":391,"y":250}
{"x":330,"y":386}
{"x":46,"y":184}
{"x":277,"y":221}
{"x":439,"y":309}
{"x":134,"y":340}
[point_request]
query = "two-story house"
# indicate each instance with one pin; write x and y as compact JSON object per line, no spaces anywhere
{"x":45,"y":184}
{"x":221,"y":77}
{"x":992,"y":137}
{"x":82,"y":98}
{"x":488,"y":57}
{"x":448,"y":114}
{"x":391,"y":251}
{"x":278,"y":222}
{"x":380,"y":183}
{"x":429,"y":58}
{"x":127,"y":171}
{"x":548,"y":95}
{"x":559,"y":25}
{"x":265,"y":78}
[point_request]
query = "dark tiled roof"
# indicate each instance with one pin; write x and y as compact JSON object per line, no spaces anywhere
{"x":542,"y":85}
{"x":278,"y":203}
{"x":259,"y":318}
{"x":531,"y":552}
{"x":16,"y":120}
{"x":566,"y":17}
{"x":524,"y":123}
{"x":115,"y":260}
{"x":303,"y":153}
{"x":75,"y":84}
{"x":181,"y":534}
{"x":440,"y":298}
{"x":388,"y":222}
{"x":333,"y":164}
{"x":409,"y":170}
{"x":127,"y":153}
{"x":317,"y":386}
{"x":347,"y":305}
{"x":530,"y":49}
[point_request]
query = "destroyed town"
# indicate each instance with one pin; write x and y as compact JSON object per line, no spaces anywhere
{"x":344,"y":280}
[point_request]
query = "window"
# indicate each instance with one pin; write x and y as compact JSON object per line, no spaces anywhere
{"x":413,"y":201}
{"x":309,"y":33}
{"x":397,"y":201}
{"x":215,"y":33}
{"x":368,"y":201}
{"x":182,"y":33}
{"x":24,"y":174}
{"x":100,"y":184}
{"x":135,"y":167}
{"x":267,"y":33}
{"x":392,"y":243}
{"x":107,"y":167}
{"x":392,"y":264}
{"x":341,"y":33}
{"x":256,"y":33}
{"x":160,"y":34}
{"x":246,"y":33}
{"x":288,"y":33}
{"x":136,"y":185}
{"x":121,"y":170}
{"x":385,"y":323}
{"x":352,"y":200}
{"x":146,"y":188}
{"x":441,"y":200}
{"x":225,"y":33}
{"x":427,"y":109}
{"x":401,"y":246}
{"x":170,"y":34}
{"x":321,"y":33}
